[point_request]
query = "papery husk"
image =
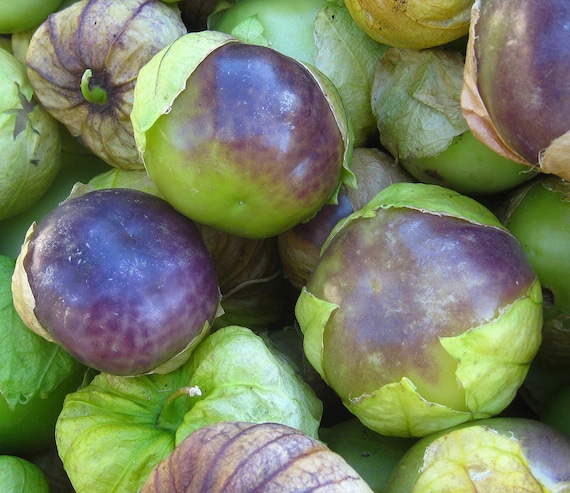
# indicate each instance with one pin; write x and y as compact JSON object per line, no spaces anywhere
{"x":472,"y":104}
{"x":240,"y":456}
{"x":250,"y":277}
{"x":22,"y":294}
{"x":555,"y":159}
{"x":374,"y":170}
{"x":113,"y":40}
{"x":415,"y":99}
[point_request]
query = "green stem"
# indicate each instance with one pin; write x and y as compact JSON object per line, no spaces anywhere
{"x":174,"y":408}
{"x":93,"y":94}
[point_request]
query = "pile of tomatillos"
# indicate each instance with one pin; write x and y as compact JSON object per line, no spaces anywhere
{"x":255,"y":245}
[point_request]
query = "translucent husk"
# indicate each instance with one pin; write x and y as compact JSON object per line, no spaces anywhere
{"x":83,"y":62}
{"x":552,"y":160}
{"x":240,"y":456}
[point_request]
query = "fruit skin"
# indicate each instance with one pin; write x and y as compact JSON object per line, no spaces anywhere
{"x":415,"y":24}
{"x":411,"y":307}
{"x":523,"y":117}
{"x":119,"y":279}
{"x":24,"y":14}
{"x":245,"y":139}
{"x":469,"y":167}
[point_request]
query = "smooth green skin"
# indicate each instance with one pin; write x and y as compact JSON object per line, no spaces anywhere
{"x":371,"y":454}
{"x":469,"y":167}
{"x":541,"y":223}
{"x":30,"y":427}
{"x":556,"y":411}
{"x":497,"y":454}
{"x":18,"y":475}
{"x":20,"y":15}
{"x":288,"y":26}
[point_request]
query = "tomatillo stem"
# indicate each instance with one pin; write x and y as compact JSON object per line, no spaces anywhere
{"x":93,"y":94}
{"x":174,"y":408}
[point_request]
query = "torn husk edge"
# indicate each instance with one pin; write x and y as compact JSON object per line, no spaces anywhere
{"x":22,"y":294}
{"x":552,"y":160}
{"x":555,"y":159}
{"x":23,"y":297}
{"x":472,"y":105}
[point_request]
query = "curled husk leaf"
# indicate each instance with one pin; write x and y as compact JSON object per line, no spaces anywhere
{"x":83,"y":62}
{"x":416,"y":24}
{"x":300,"y":246}
{"x":242,"y":457}
{"x":507,"y":454}
{"x":552,"y":160}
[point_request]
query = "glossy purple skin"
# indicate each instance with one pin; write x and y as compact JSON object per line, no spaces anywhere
{"x":121,"y":280}
{"x":404,"y":278}
{"x":522,"y":50}
{"x":318,"y":228}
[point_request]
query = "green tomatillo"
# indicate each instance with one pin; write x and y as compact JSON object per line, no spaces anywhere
{"x":423,"y":311}
{"x":538,"y":215}
{"x":240,"y":137}
{"x":24,"y":14}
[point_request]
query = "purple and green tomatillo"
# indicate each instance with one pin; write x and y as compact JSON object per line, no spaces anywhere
{"x":240,"y":137}
{"x":423,"y":311}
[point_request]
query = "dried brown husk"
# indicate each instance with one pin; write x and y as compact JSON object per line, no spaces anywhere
{"x":242,"y":457}
{"x":113,"y":40}
{"x":555,"y":159}
{"x":250,"y":277}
